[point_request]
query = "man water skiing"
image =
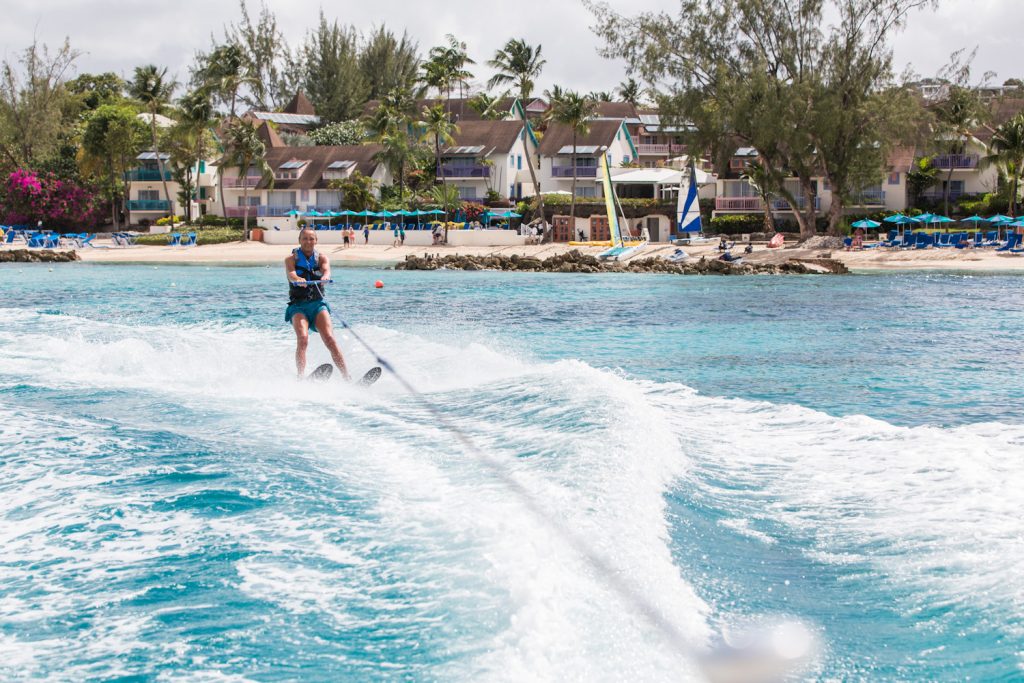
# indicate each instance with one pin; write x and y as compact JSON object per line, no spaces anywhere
{"x":307,"y":311}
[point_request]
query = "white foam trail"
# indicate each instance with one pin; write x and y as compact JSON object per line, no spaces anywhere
{"x":934,"y":510}
{"x":473,"y":543}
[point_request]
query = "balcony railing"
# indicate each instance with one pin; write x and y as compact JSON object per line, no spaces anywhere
{"x":755,"y":204}
{"x":955,"y":161}
{"x":581,"y":171}
{"x":937,"y":195}
{"x":149,"y":205}
{"x":241,"y":211}
{"x":241,"y":182}
{"x":660,"y":148}
{"x":780,"y":204}
{"x":869,"y":198}
{"x":458,"y":171}
{"x":137,"y":174}
{"x":322,"y":208}
{"x":275,"y":210}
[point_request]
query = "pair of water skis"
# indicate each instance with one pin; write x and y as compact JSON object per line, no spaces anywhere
{"x":324,"y":372}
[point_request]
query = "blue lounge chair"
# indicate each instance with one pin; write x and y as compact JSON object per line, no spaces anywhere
{"x":11,"y":234}
{"x":847,"y":242}
{"x":1012,"y":241}
{"x":174,"y":239}
{"x":924,"y":240}
{"x":190,"y":240}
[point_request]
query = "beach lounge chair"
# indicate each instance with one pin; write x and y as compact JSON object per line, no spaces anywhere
{"x":11,"y":234}
{"x":1012,"y":241}
{"x":189,"y":240}
{"x":924,"y":240}
{"x":174,"y":239}
{"x":847,"y":243}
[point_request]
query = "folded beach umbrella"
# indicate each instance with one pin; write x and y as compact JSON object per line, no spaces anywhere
{"x":864,"y":224}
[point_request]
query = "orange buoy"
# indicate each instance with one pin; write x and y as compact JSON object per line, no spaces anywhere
{"x":378,"y":284}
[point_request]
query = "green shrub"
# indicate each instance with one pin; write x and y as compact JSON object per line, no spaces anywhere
{"x":736,"y":224}
{"x":203,"y":236}
{"x":166,"y":220}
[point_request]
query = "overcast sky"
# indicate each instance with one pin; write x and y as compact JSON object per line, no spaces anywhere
{"x":117,"y":35}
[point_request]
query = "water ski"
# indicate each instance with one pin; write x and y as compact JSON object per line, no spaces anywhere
{"x":371,"y":376}
{"x":322,"y":373}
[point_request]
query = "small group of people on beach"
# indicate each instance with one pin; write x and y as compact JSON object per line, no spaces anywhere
{"x":348,"y":237}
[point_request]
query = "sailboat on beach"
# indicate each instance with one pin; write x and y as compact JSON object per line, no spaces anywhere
{"x":688,"y":221}
{"x":621,"y":249}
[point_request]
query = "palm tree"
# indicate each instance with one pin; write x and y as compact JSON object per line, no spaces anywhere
{"x":437,"y":127}
{"x":600,"y":96}
{"x":487,"y":106}
{"x":196,"y":118}
{"x":446,"y":66}
{"x":520,"y":64}
{"x":1007,"y":154}
{"x":152,"y":87}
{"x":958,"y":115}
{"x":397,"y":154}
{"x":629,"y":91}
{"x":575,"y":111}
{"x":244,"y":149}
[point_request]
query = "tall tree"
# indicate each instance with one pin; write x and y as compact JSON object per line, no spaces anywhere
{"x":760,"y":177}
{"x":1006,"y":152}
{"x":154,"y":90}
{"x":575,"y":111}
{"x":438,"y":128}
{"x":275,"y":72}
{"x":333,"y":81}
{"x":223,"y":73}
{"x":519,"y":64}
{"x":112,"y":137}
{"x":243,"y":149}
{"x":388,"y":62}
{"x":446,"y":68}
{"x":394,"y":113}
{"x":95,"y":90}
{"x":31,"y":102}
{"x":807,"y":94}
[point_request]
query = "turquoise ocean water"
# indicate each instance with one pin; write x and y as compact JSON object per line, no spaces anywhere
{"x":845,"y":452}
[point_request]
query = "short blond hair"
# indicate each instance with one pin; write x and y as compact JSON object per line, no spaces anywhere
{"x":307,"y":228}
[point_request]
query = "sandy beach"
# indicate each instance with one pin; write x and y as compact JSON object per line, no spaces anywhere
{"x":980,"y":260}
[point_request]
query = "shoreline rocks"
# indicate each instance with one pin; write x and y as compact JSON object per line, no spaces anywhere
{"x":37,"y":256}
{"x":577,"y":262}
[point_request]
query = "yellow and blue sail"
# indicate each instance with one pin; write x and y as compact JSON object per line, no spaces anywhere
{"x":609,"y":203}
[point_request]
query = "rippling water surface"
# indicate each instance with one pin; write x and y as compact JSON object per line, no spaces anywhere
{"x":847,"y":452}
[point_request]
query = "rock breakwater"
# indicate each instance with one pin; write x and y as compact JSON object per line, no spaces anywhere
{"x":578,"y":262}
{"x":37,"y":256}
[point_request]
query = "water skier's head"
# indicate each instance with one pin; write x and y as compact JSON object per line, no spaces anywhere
{"x":307,"y":240}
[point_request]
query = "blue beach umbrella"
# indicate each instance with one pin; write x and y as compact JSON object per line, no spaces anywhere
{"x":293,"y":213}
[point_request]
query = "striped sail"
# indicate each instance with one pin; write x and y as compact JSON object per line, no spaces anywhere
{"x":688,"y":208}
{"x":609,"y":203}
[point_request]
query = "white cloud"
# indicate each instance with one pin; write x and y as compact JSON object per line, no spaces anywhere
{"x":118,"y":35}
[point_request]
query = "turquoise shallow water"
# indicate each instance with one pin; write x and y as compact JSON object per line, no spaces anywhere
{"x":846,"y":452}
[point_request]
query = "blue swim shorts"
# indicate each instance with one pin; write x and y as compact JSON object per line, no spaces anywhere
{"x":310,"y":309}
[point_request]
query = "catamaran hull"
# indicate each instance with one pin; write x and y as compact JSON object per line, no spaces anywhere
{"x":620,"y":253}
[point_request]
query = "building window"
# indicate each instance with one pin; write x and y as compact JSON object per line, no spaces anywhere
{"x":304,"y":196}
{"x":586,"y":191}
{"x":511,"y":161}
{"x":253,"y":200}
{"x":625,"y":160}
{"x":894,"y":178}
{"x":467,"y":192}
{"x":149,"y":195}
{"x":519,"y":162}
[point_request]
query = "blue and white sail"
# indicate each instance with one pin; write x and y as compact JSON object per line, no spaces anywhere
{"x":687,"y":207}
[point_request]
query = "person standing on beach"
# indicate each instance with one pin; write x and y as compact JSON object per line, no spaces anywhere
{"x":366,"y":234}
{"x":401,"y":235}
{"x":307,"y":311}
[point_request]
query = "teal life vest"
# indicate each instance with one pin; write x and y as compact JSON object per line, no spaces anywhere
{"x":308,"y":268}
